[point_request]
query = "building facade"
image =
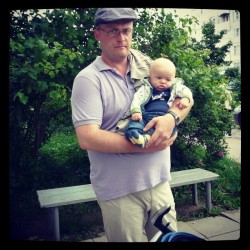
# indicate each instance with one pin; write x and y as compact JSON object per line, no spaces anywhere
{"x":223,"y":20}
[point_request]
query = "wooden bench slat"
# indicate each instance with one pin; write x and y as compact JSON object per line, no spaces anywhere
{"x":84,"y":193}
{"x":67,"y":199}
{"x":66,"y":195}
{"x":64,"y":190}
{"x":193,"y":172}
{"x":191,"y":176}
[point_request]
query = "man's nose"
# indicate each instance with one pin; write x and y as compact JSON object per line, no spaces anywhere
{"x":121,"y":35}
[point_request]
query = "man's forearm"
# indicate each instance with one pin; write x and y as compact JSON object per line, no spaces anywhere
{"x":91,"y":137}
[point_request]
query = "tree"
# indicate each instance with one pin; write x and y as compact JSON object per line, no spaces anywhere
{"x":46,"y":51}
{"x":234,"y":78}
{"x":210,"y":41}
{"x":157,"y":34}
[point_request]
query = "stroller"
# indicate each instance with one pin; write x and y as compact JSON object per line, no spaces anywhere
{"x":166,"y":233}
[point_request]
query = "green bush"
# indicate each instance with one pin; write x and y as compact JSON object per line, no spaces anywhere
{"x":61,"y":162}
{"x":226,"y":192}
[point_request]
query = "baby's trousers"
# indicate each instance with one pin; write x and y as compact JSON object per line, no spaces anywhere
{"x":128,"y":218}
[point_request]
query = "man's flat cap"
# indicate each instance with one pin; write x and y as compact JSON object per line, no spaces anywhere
{"x":106,"y":15}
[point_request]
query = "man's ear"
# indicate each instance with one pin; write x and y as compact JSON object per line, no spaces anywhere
{"x":97,"y":34}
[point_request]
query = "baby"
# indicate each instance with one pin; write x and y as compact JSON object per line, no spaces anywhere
{"x":154,"y":98}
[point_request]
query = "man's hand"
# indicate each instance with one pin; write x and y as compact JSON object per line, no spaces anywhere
{"x":164,"y":126}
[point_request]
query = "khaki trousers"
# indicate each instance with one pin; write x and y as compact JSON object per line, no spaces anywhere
{"x":128,"y":218}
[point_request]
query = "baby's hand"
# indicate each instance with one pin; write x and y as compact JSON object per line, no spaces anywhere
{"x":183,"y":103}
{"x":136,"y":117}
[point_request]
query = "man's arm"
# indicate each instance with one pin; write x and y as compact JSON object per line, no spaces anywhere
{"x":91,"y":137}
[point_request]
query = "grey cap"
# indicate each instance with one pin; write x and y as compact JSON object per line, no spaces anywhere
{"x":106,"y":15}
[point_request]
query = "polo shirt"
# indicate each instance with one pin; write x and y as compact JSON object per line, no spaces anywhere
{"x":101,"y":96}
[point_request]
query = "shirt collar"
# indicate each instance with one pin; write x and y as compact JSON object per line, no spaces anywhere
{"x":101,"y":66}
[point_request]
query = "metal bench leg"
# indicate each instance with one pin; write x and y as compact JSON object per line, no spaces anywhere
{"x":195,"y":194}
{"x":54,"y":228}
{"x":208,"y":195}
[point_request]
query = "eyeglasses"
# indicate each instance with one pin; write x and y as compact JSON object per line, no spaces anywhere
{"x":116,"y":32}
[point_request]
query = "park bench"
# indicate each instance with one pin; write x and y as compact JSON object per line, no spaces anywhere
{"x":52,"y":199}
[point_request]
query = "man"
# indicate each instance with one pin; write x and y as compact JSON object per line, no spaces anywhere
{"x":228,"y":109}
{"x":131,"y":184}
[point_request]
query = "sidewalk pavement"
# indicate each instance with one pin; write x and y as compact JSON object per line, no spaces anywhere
{"x":234,"y":144}
{"x":219,"y":228}
{"x":226,"y":226}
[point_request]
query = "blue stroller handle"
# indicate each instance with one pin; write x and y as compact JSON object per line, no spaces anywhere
{"x":167,"y":234}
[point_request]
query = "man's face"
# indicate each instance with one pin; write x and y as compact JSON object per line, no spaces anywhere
{"x":115,"y":39}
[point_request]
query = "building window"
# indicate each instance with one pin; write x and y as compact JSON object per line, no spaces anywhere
{"x":223,"y":18}
{"x":237,"y":15}
{"x":237,"y":50}
{"x":237,"y":32}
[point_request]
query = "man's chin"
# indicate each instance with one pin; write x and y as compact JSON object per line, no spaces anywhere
{"x":122,"y":53}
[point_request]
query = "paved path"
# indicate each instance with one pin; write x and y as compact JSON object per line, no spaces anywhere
{"x":225,"y":227}
{"x":234,"y":144}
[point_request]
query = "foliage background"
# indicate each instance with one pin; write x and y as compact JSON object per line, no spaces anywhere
{"x":48,"y":50}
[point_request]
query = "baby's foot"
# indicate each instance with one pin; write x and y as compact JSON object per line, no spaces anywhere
{"x":138,"y":139}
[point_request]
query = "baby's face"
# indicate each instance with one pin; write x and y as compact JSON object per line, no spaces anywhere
{"x":161,"y":78}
